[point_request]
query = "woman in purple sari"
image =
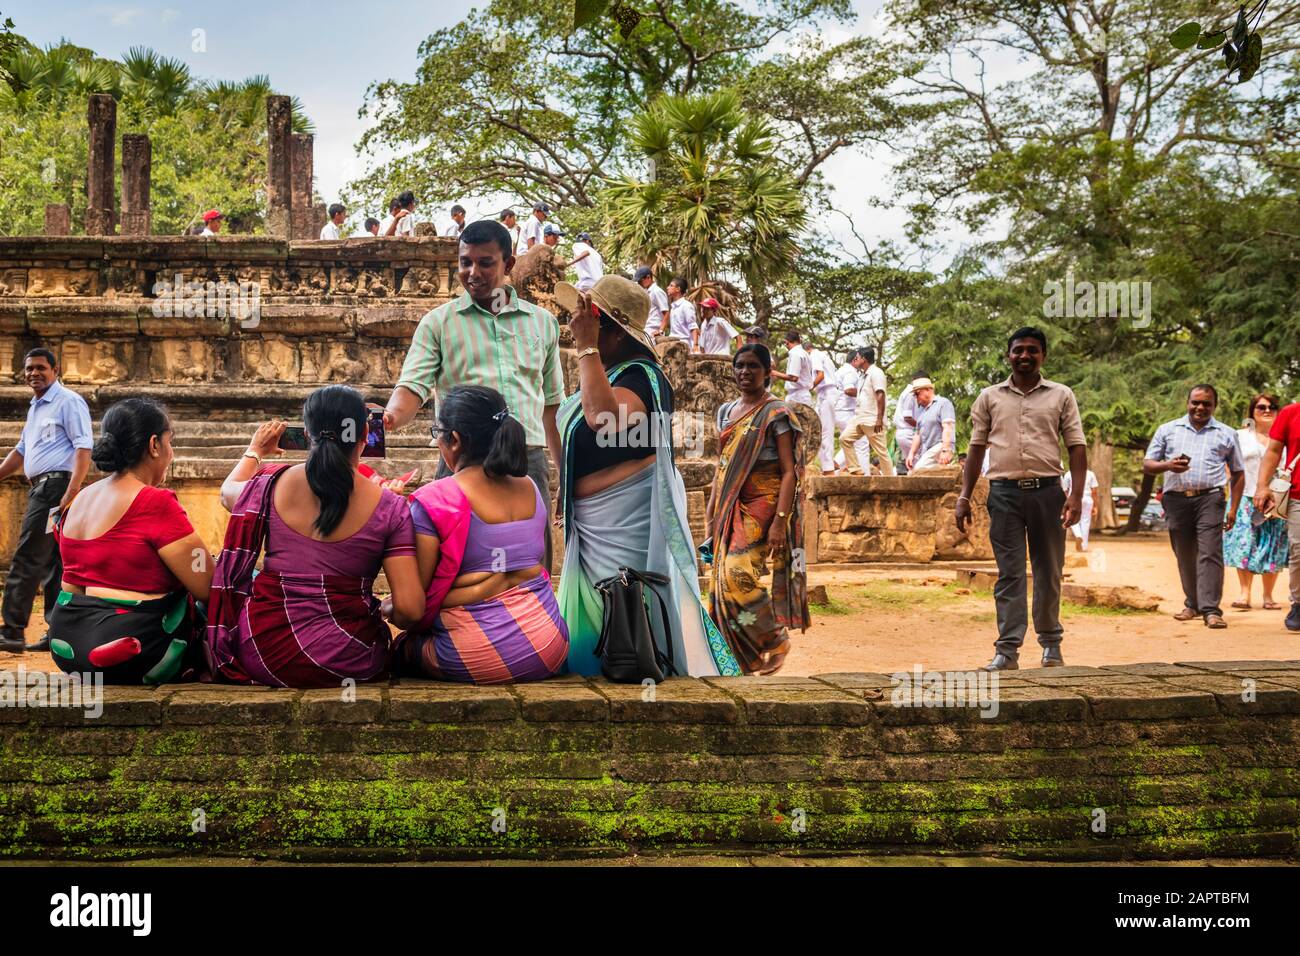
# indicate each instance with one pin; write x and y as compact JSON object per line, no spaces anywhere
{"x":490,"y":616}
{"x":310,"y":618}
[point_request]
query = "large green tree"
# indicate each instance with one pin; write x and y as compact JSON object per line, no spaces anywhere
{"x":1111,"y":156}
{"x":514,"y":100}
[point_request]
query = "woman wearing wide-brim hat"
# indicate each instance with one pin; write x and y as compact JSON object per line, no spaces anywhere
{"x":622,"y":499}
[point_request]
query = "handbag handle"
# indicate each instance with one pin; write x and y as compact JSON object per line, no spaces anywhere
{"x":646,"y":579}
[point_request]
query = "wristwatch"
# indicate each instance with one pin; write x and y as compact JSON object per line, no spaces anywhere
{"x":783,"y":514}
{"x":253,"y":455}
{"x":590,"y":350}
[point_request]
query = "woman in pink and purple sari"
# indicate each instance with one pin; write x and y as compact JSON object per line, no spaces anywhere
{"x":480,"y":538}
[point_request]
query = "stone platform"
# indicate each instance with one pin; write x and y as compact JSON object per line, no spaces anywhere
{"x":1146,"y":761}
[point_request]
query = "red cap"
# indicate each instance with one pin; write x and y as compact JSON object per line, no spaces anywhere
{"x":710,"y":303}
{"x":211,"y":214}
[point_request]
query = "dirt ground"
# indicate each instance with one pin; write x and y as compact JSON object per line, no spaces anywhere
{"x":892,"y":618}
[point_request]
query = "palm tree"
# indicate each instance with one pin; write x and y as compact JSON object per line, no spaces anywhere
{"x":715,"y":197}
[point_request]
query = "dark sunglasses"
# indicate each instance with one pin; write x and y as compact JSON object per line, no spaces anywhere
{"x":1267,"y":408}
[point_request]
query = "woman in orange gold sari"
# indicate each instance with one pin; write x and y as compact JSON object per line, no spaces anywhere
{"x":754,"y":516}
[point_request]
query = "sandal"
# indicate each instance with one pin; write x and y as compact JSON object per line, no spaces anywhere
{"x":1271,"y":606}
{"x":1244,"y":605}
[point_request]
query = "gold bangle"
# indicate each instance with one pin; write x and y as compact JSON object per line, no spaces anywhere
{"x":590,"y":350}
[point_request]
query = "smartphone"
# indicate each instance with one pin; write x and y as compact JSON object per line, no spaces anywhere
{"x":294,"y":438}
{"x":375,"y":435}
{"x":1183,"y":457}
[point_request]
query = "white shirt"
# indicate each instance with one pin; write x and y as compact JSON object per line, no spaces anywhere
{"x":681,"y":320}
{"x":405,"y":227}
{"x":870,"y":382}
{"x":1090,"y":482}
{"x":514,"y":237}
{"x":590,"y":268}
{"x":846,"y":377}
{"x":822,"y":363}
{"x":330,"y":231}
{"x":1251,"y":453}
{"x":658,"y":306}
{"x":799,"y":364}
{"x":451,"y":230}
{"x":716,"y":335}
{"x":207,"y":232}
{"x":532,"y":230}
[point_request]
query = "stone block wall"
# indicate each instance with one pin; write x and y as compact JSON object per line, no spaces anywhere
{"x":897,"y":519}
{"x":1169,"y":758}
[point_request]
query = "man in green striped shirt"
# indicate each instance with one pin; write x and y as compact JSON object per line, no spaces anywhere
{"x":489,"y":336}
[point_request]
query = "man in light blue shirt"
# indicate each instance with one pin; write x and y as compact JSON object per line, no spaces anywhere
{"x":1197,"y":454}
{"x":935,"y":442}
{"x":54,"y":455}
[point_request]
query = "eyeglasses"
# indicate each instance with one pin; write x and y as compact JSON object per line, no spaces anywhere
{"x":1266,"y":408}
{"x":437,"y":431}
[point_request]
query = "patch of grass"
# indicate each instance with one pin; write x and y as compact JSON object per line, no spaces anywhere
{"x":887,"y":596}
{"x":1070,"y":609}
{"x":833,"y":609}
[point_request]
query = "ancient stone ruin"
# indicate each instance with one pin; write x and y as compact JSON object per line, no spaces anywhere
{"x":232,"y":330}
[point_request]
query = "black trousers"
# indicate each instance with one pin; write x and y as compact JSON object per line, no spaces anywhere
{"x":1196,"y":533}
{"x":539,"y":469}
{"x":1021,"y":517}
{"x":36,"y":562}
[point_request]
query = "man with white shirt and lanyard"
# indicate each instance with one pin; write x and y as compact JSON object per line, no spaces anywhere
{"x":331,"y":229}
{"x":587,"y":262}
{"x":657,"y":321}
{"x":453,"y":229}
{"x":716,"y":333}
{"x":1193,"y":453}
{"x":826,"y":390}
{"x":682,"y":323}
{"x":54,"y":454}
{"x":799,"y":371}
{"x":532,"y":231}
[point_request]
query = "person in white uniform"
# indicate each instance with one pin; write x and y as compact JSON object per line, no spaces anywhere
{"x":657,"y":321}
{"x":826,"y":389}
{"x":587,"y":262}
{"x":331,"y":229}
{"x":716,"y":333}
{"x":511,"y":222}
{"x":532,"y":232}
{"x":846,"y":405}
{"x":1087,"y":513}
{"x":682,"y":323}
{"x":799,"y":372}
{"x":453,"y":229}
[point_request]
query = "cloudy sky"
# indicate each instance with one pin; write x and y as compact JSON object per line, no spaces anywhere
{"x":326,"y":52}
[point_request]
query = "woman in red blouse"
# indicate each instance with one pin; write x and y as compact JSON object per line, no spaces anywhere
{"x":133,"y":565}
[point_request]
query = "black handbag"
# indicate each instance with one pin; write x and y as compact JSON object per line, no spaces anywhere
{"x":627,"y":649}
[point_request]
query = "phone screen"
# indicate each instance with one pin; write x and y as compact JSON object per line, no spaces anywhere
{"x":375,"y":435}
{"x":294,"y":438}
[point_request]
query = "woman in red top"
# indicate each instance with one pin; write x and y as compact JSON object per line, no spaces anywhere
{"x":1283,"y":453}
{"x":133,"y":565}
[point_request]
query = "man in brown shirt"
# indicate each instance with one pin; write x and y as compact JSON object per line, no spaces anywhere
{"x":1020,"y":423}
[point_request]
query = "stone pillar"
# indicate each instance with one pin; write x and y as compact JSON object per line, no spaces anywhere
{"x":279,"y":124}
{"x":301,"y":172}
{"x":58,"y":219}
{"x":101,"y":179}
{"x":137,"y":165}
